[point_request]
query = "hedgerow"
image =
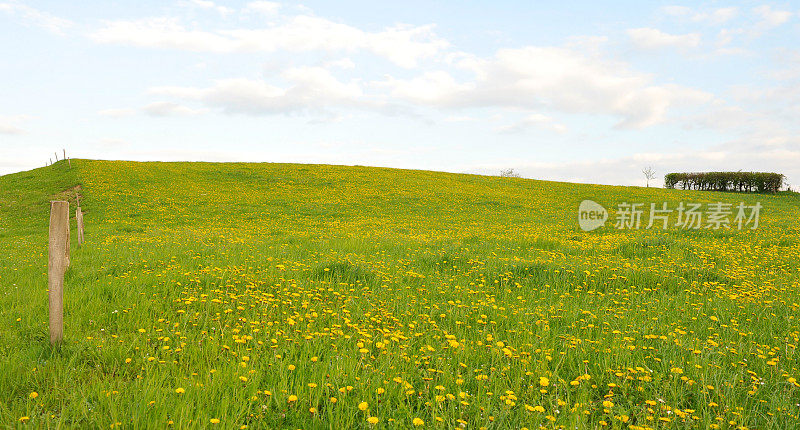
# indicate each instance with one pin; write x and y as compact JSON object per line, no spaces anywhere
{"x":761,"y":182}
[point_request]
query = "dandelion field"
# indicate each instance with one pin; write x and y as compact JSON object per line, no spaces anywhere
{"x":241,"y":295}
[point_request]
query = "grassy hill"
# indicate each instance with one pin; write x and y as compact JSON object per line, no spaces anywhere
{"x":313,"y":296}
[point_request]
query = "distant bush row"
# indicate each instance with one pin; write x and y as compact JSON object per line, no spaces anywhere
{"x":761,"y":182}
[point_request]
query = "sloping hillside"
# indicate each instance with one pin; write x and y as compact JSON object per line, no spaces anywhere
{"x":305,"y":296}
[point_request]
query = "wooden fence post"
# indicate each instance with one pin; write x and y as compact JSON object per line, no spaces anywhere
{"x":66,"y":252}
{"x":57,"y":265}
{"x":79,"y":220}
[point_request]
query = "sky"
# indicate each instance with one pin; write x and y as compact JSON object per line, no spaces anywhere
{"x":579,"y":91}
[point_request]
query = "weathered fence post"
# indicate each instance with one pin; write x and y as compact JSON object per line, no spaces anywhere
{"x":79,"y":220}
{"x":79,"y":216}
{"x":57,"y":265}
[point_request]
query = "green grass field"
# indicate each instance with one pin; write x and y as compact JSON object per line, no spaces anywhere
{"x":308,"y":296}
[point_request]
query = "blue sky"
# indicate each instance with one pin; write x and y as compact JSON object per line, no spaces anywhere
{"x":579,"y":91}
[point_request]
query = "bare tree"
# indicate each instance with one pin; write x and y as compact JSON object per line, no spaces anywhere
{"x":649,"y":173}
{"x":509,"y":173}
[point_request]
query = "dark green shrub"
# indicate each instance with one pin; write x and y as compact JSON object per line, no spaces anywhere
{"x":760,"y":182}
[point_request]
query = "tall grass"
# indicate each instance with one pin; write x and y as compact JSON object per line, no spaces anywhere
{"x":298,"y":296}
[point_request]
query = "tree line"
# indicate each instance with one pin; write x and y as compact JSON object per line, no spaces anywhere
{"x":760,"y":182}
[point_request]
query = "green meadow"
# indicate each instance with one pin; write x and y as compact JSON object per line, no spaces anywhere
{"x":236,"y":295}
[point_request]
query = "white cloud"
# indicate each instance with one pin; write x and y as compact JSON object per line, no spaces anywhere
{"x":10,"y":129}
{"x":36,"y":17}
{"x":536,"y":120}
{"x":343,"y":63}
{"x":527,"y":79}
{"x":589,"y":44}
{"x":404,"y":45}
{"x":460,"y":118}
{"x":312,"y":89}
{"x":651,"y":38}
{"x":160,"y":108}
{"x":677,"y":10}
{"x":165,"y":33}
{"x":719,"y":16}
{"x":714,"y":17}
{"x":725,"y":36}
{"x":117,"y":112}
{"x":554,"y":78}
{"x":208,"y":5}
{"x":762,"y":18}
{"x":571,"y":79}
{"x":11,"y":124}
{"x":170,"y":109}
{"x":436,"y":87}
{"x":263,"y":7}
{"x":769,"y":18}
